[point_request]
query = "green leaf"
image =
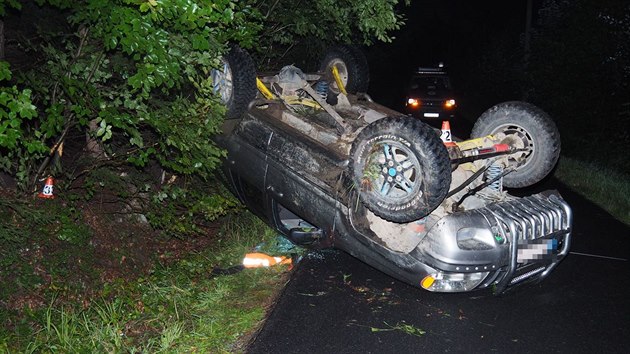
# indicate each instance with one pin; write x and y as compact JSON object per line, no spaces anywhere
{"x":200,"y":42}
{"x":5,"y":71}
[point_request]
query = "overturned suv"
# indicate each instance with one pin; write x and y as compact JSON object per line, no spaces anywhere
{"x":314,"y":157}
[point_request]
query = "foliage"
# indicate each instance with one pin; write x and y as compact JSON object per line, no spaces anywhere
{"x":580,"y":65}
{"x":179,"y":207}
{"x":182,"y":210}
{"x":331,"y":21}
{"x":403,"y":327}
{"x":8,"y":3}
{"x":129,"y":74}
{"x":302,"y":28}
{"x":20,"y":144}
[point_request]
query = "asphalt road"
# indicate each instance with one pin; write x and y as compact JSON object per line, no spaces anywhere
{"x":337,"y":304}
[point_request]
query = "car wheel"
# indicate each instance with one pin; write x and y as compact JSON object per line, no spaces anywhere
{"x":352,"y":66}
{"x":527,"y":127}
{"x":401,"y":168}
{"x":235,"y":81}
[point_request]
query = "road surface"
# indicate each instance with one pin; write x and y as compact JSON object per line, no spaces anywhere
{"x":336,"y":304}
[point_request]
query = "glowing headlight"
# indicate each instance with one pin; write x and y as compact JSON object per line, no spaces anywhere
{"x":413,"y":102}
{"x":449,"y":103}
{"x":452,"y":282}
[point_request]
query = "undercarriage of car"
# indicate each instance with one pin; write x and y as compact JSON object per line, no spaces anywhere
{"x":318,"y":160}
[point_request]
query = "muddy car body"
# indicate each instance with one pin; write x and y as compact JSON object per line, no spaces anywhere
{"x":334,"y":169}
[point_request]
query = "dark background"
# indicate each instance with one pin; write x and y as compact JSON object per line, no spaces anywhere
{"x":456,"y":33}
{"x":577,"y":67}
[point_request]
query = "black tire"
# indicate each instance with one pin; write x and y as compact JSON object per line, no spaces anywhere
{"x":235,"y":81}
{"x":352,"y":66}
{"x":522,"y":125}
{"x":409,"y":183}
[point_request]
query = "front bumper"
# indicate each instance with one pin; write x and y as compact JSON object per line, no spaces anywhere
{"x":501,"y":245}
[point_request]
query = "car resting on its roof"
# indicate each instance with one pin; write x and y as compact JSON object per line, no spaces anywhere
{"x":317,"y":159}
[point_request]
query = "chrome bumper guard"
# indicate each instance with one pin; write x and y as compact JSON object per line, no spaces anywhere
{"x":542,"y":223}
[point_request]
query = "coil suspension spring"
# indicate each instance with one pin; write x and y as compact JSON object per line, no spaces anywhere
{"x":322,"y":89}
{"x":492,"y":172}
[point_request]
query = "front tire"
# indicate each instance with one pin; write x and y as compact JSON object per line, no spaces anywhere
{"x":401,"y":168}
{"x":523,"y":126}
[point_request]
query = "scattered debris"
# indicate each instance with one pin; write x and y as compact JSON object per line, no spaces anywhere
{"x":401,"y":326}
{"x":319,"y":293}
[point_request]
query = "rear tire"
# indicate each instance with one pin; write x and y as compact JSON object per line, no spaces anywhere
{"x":522,"y":125}
{"x":235,"y":81}
{"x":352,"y":66}
{"x":401,"y":168}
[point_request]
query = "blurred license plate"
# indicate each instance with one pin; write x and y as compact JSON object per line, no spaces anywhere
{"x":536,"y":250}
{"x":431,"y":115}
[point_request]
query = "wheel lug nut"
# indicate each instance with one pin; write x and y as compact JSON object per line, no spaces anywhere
{"x":389,"y":179}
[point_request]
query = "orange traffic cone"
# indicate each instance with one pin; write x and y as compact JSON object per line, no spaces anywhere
{"x":256,"y":260}
{"x":446,"y":133}
{"x":47,"y":191}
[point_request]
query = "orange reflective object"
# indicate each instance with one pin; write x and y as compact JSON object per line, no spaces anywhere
{"x":257,"y":260}
{"x":47,"y":191}
{"x":427,"y":281}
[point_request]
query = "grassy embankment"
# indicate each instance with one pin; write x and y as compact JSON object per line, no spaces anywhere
{"x":607,"y":188}
{"x":180,"y":307}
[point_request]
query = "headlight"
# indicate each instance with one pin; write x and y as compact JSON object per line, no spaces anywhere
{"x":413,"y":102}
{"x":452,"y":282}
{"x":448,"y":104}
{"x":474,"y":239}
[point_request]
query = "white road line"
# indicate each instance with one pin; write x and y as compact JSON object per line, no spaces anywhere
{"x":598,"y":256}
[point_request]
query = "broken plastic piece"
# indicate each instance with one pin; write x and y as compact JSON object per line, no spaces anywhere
{"x":257,"y":260}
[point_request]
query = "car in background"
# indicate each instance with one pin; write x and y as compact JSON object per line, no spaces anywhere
{"x":430,"y":95}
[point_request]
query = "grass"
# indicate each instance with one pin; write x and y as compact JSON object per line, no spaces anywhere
{"x":181,"y":307}
{"x":607,"y":188}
